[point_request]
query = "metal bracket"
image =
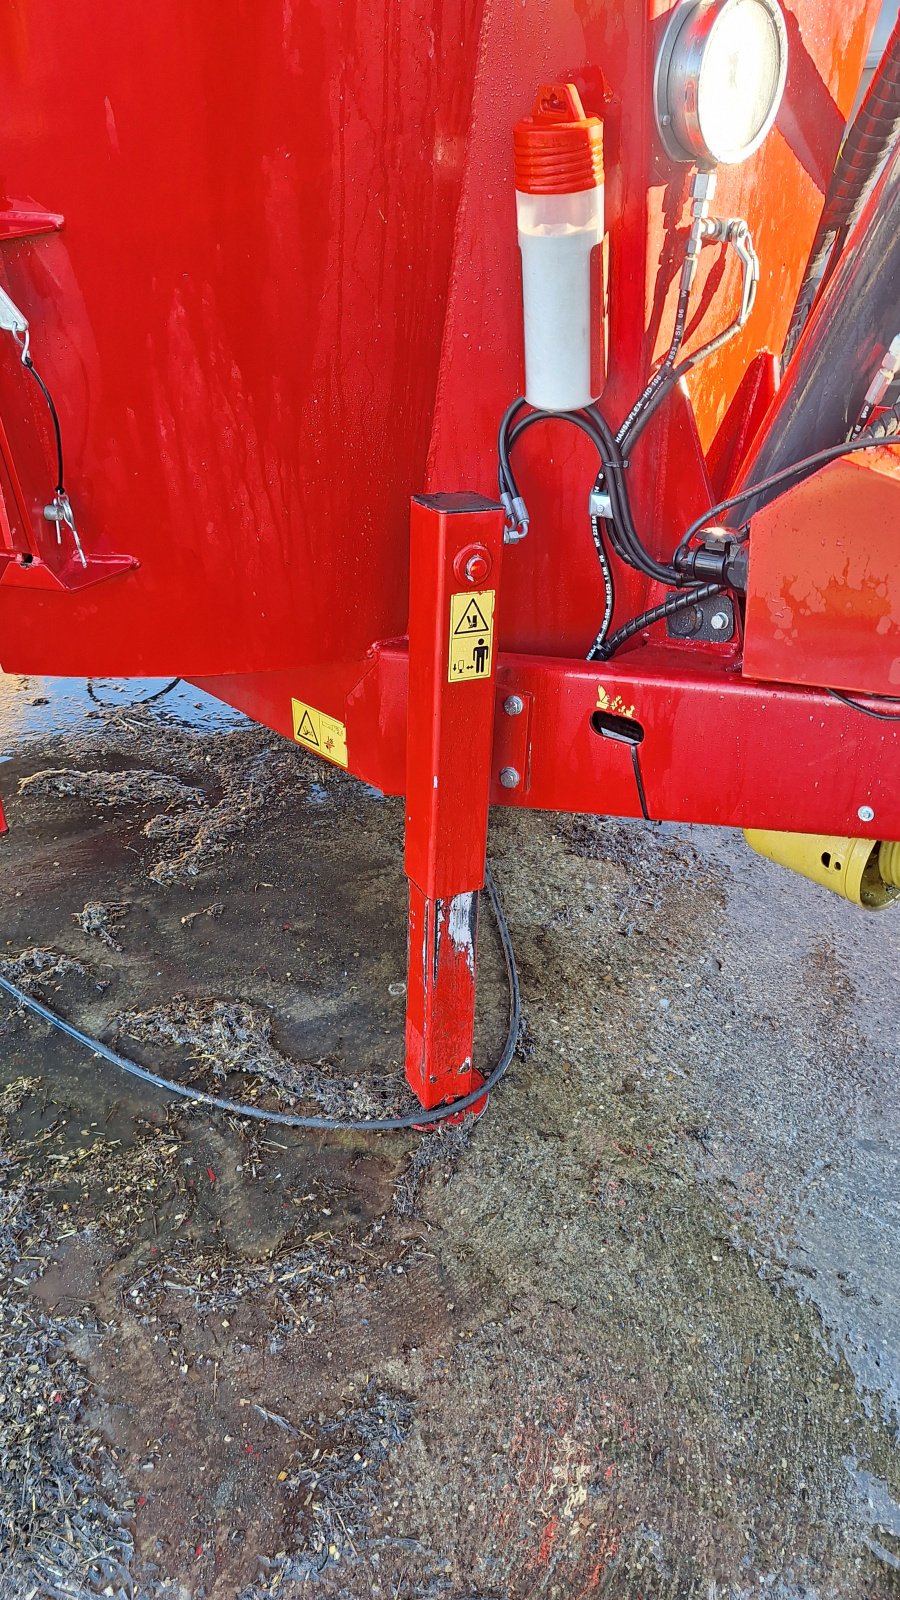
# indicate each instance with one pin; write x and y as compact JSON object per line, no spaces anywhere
{"x":22,"y":220}
{"x":601,"y":505}
{"x":710,"y":621}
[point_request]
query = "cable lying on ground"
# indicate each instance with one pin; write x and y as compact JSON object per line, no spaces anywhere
{"x":285,"y":1119}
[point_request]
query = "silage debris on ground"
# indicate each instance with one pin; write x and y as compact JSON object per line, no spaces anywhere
{"x":193,"y":843}
{"x":228,"y":1036}
{"x":137,"y":786}
{"x":34,"y":967}
{"x":444,"y":1145}
{"x":64,"y":1506}
{"x":333,"y":1486}
{"x":76,"y":1541}
{"x":249,"y":769}
{"x":297,"y":1282}
{"x":98,"y":921}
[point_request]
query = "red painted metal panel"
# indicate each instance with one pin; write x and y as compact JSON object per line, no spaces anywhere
{"x":241,"y":319}
{"x":552,"y":594}
{"x":289,"y":244}
{"x":440,"y":1008}
{"x":823,"y":604}
{"x":717,"y":748}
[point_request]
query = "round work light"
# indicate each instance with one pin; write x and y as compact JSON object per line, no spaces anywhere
{"x":720,"y":79}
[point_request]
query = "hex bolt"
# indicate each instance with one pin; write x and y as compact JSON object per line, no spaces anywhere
{"x":472,"y":564}
{"x":510,"y":778}
{"x":865,"y":814}
{"x":720,"y":621}
{"x":514,"y":705}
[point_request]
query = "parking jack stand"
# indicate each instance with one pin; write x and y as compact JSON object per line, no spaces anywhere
{"x":456,"y":545}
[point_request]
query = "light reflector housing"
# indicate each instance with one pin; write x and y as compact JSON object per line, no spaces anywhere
{"x":720,"y":79}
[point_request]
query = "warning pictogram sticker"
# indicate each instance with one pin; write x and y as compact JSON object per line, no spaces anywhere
{"x":321,"y":733}
{"x":471,"y":635}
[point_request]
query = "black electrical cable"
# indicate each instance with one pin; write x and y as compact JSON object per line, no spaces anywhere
{"x":131,"y":705}
{"x":509,"y":491}
{"x":869,"y":711}
{"x":416,"y":1119}
{"x":798,"y":472}
{"x":29,"y":366}
{"x":605,"y":650}
{"x":509,"y":416}
{"x":617,"y":488}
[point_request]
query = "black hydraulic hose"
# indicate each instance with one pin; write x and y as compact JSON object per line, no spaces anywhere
{"x":673,"y":377}
{"x":284,"y":1119}
{"x":874,"y":134}
{"x":662,"y":378}
{"x":605,"y":650}
{"x":626,"y":540}
{"x":877,"y":436}
{"x":131,"y":705}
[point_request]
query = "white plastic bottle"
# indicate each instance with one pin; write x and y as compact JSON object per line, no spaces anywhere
{"x":560,"y":208}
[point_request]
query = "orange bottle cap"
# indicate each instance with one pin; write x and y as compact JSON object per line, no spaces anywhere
{"x":558,"y":149}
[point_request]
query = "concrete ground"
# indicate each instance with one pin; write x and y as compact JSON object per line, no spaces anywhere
{"x":633,"y":1334}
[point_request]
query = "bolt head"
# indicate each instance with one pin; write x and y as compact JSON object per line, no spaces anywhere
{"x":509,"y":778}
{"x":683,"y":624}
{"x":866,"y":814}
{"x":473,"y":564}
{"x":514,"y":705}
{"x":719,"y":622}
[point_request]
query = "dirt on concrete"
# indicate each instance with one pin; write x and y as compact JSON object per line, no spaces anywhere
{"x":631,"y":1334}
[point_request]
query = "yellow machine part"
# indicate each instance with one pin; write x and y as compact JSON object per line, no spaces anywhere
{"x":864,"y":871}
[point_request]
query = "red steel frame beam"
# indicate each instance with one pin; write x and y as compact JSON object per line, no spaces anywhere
{"x":717,"y":748}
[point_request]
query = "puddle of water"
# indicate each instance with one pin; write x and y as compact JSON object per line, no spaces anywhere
{"x":33,"y":708}
{"x":881,"y":1510}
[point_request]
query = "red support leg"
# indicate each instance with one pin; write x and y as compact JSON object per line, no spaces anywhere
{"x":456,"y":543}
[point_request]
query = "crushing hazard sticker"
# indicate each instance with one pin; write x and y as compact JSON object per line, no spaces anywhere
{"x":318,"y":732}
{"x":471,"y":635}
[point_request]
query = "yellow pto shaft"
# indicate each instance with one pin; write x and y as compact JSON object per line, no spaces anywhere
{"x":865,"y":871}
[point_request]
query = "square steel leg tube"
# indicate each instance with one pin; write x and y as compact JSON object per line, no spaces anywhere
{"x":456,"y":545}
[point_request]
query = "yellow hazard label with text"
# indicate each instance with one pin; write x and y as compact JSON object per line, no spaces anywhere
{"x":471,"y":635}
{"x":323,"y":734}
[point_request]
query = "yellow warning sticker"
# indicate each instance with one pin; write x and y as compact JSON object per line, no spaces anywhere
{"x":471,"y":635}
{"x":318,"y":732}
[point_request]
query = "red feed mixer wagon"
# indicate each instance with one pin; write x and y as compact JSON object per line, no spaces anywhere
{"x":493,"y":398}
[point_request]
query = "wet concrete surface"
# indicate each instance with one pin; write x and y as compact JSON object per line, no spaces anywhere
{"x":635,"y":1333}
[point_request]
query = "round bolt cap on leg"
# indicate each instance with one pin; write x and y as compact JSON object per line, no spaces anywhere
{"x":510,"y":778}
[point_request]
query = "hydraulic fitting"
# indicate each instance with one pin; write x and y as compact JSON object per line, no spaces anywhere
{"x":722,"y":560}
